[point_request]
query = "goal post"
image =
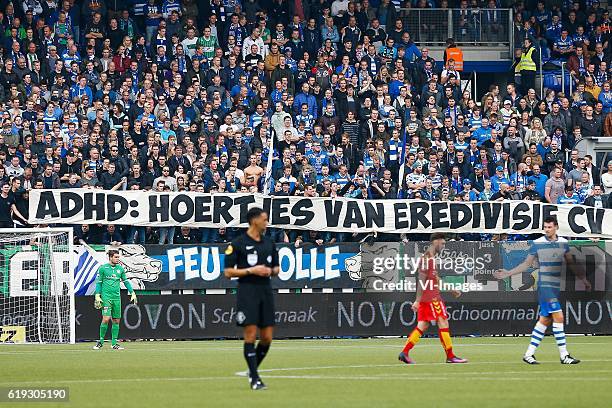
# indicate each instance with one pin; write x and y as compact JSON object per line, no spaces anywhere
{"x":37,"y":286}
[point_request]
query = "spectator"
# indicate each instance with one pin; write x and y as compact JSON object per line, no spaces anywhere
{"x":597,"y":199}
{"x":555,"y":187}
{"x":166,"y":96}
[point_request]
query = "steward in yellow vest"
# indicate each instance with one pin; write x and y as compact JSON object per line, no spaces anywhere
{"x":530,"y":58}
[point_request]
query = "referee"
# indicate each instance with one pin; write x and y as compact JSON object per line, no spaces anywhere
{"x":252,"y":258}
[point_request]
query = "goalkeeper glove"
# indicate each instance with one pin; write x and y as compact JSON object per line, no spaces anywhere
{"x":98,"y":301}
{"x":133,"y":298}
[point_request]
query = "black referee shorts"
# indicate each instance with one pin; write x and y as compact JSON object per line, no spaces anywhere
{"x":255,"y":304}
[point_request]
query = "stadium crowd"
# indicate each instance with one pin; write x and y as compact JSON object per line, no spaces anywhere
{"x":190,"y":95}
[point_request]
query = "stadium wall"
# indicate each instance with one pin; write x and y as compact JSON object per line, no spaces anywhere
{"x":340,"y":315}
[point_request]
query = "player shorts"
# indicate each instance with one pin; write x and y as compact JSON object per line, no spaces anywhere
{"x":255,"y":305}
{"x":431,"y":311}
{"x":549,"y":306}
{"x":112,"y":308}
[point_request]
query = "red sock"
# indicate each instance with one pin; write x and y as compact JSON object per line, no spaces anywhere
{"x":413,"y":339}
{"x":445,"y":339}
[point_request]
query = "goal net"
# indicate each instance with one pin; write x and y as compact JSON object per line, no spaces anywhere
{"x":36,"y":286}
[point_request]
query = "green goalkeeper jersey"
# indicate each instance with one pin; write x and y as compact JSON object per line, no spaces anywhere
{"x":108,"y":282}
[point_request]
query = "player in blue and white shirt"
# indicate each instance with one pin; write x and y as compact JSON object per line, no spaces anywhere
{"x":550,"y":252}
{"x":291,"y":63}
{"x":434,"y":176}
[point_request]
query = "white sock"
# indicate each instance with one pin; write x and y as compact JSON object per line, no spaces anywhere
{"x":536,"y":337}
{"x":560,"y":339}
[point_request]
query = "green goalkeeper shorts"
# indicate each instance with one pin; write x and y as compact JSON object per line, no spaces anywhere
{"x":112,"y":308}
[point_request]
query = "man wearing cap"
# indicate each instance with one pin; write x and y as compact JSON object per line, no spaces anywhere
{"x":89,"y":178}
{"x":478,"y":178}
{"x":290,"y":54}
{"x":498,"y":178}
{"x":513,"y":192}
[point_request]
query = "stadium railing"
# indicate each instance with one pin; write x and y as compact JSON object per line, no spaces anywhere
{"x":477,"y":27}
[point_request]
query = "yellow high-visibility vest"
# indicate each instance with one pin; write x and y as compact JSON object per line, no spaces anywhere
{"x":527,"y":63}
{"x":517,"y":67}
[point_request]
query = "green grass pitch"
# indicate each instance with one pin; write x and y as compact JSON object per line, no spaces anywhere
{"x":315,"y":373}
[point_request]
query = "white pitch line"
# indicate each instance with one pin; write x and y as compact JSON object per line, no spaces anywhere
{"x":470,"y":373}
{"x":471,"y":376}
{"x":405,"y":377}
{"x":114,"y":380}
{"x":140,"y":348}
{"x":399,"y":365}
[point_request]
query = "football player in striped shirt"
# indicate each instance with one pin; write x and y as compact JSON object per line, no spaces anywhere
{"x":550,"y":251}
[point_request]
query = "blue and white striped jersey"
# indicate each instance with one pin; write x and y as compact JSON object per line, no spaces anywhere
{"x":551,"y":257}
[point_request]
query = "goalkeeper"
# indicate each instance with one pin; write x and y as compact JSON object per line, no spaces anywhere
{"x":108,"y":290}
